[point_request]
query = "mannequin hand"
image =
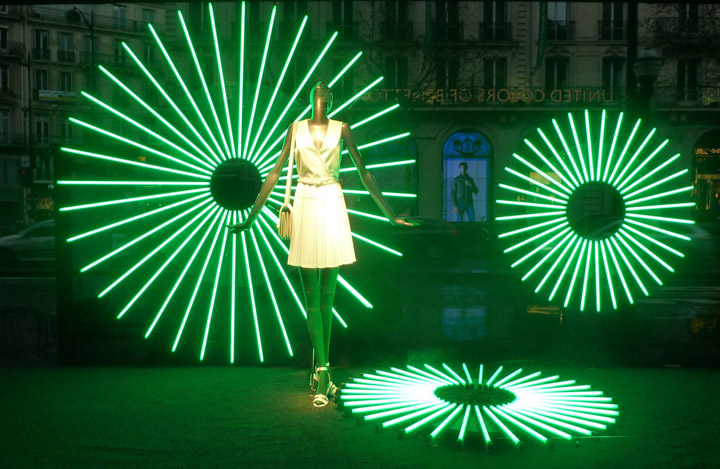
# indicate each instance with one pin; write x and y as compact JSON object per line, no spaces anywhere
{"x":239,"y":227}
{"x":400,"y":221}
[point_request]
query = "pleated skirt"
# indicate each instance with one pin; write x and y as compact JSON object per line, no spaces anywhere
{"x":321,"y":229}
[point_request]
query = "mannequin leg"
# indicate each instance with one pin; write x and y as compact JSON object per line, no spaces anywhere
{"x":311,"y":287}
{"x":328,"y":283}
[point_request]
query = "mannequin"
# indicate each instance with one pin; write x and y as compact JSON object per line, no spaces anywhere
{"x":320,"y":214}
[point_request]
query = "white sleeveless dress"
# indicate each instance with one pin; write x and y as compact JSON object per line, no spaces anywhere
{"x":321,"y":234}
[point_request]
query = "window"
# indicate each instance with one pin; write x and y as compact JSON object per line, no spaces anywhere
{"x":66,"y":81}
{"x":344,"y":88}
{"x":688,"y":18}
{"x":396,"y":25}
{"x":148,"y":55}
{"x":4,"y":8}
{"x":447,"y":26}
{"x":4,"y":78}
{"x":494,"y":25}
{"x":42,"y":50}
{"x":66,"y":129}
{"x":4,"y":39}
{"x":396,"y":72}
{"x":448,"y":71}
{"x":612,"y":73}
{"x":396,"y":11}
{"x":447,"y":12}
{"x":41,"y":79}
{"x":297,"y":70}
{"x":65,"y":47}
{"x":495,"y":73}
{"x":148,"y":16}
{"x":4,"y":126}
{"x":556,"y":72}
{"x":119,"y":56}
{"x":91,"y":54}
{"x":343,"y":19}
{"x":118,"y":16}
{"x":687,"y":89}
{"x":558,"y":27}
{"x":91,"y":82}
{"x":42,"y":126}
{"x":612,"y":26}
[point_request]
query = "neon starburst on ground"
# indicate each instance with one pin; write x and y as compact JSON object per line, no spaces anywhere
{"x":590,"y":212}
{"x":209,"y":161}
{"x":540,"y":408}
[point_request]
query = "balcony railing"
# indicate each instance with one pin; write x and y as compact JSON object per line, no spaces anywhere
{"x":349,"y":31}
{"x":14,"y":48}
{"x":447,"y":32}
{"x":41,"y":54}
{"x":612,"y":30}
{"x":686,"y":29}
{"x":66,"y":56}
{"x":48,"y":13}
{"x":495,"y":32}
{"x":87,"y":58}
{"x":687,"y":96}
{"x":391,"y":31}
{"x":10,"y":10}
{"x":12,"y":139}
{"x":560,"y":30}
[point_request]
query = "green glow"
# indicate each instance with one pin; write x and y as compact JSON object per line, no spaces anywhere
{"x":441,"y":374}
{"x":577,"y":146}
{"x":141,"y":237}
{"x":617,"y":269}
{"x":585,"y":281}
{"x":207,"y":91}
{"x":531,"y":253}
{"x":660,"y":195}
{"x":560,"y":160}
{"x":501,"y":426}
{"x":182,"y":275}
{"x":530,"y":215}
{"x":258,"y":160}
{"x":624,"y":150}
{"x":146,"y":130}
{"x":657,"y":207}
{"x":374,"y":116}
{"x":541,"y":172}
{"x":150,"y":109}
{"x":455,"y":375}
{"x":422,"y":422}
{"x":467,"y":373}
{"x":565,"y":269}
{"x":221,"y":258}
{"x":134,"y":199}
{"x":483,"y":428}
{"x":575,"y":273}
{"x":445,"y":422}
{"x":252,"y":297}
{"x":345,"y":69}
{"x":197,"y":284}
{"x":632,"y":159}
{"x":662,"y":181}
{"x":279,"y":82}
{"x":177,"y":233}
{"x":574,"y":241}
{"x":187,"y":94}
{"x":132,"y":183}
{"x":589,"y":143}
{"x":607,"y":276}
{"x":533,"y":194}
{"x":246,"y":154}
{"x":520,"y":425}
{"x":270,"y":291}
{"x":646,"y":250}
{"x":547,"y":162}
{"x":535,"y":422}
{"x":367,"y":215}
{"x":231,"y":152}
{"x":135,"y":218}
{"x":495,"y":375}
{"x":520,"y":380}
{"x":167,"y":262}
{"x":537,"y":183}
{"x":600,"y":145}
{"x":531,"y":227}
{"x":568,"y":152}
{"x":642,"y":165}
{"x":356,"y":96}
{"x":667,"y":219}
{"x":241,"y":81}
{"x":138,"y":145}
{"x":376,"y":244}
{"x":233,"y":288}
{"x":463,"y":426}
{"x":549,"y":254}
{"x":165,"y":95}
{"x":385,"y":194}
{"x":660,"y":230}
{"x":650,"y":173}
{"x":508,"y":377}
{"x":612,"y":146}
{"x":525,"y":204}
{"x":639,"y":259}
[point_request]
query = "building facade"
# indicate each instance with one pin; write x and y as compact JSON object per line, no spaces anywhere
{"x":473,"y":78}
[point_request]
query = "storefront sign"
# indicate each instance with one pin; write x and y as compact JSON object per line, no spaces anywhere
{"x":706,"y":153}
{"x":56,"y":96}
{"x":491,"y":96}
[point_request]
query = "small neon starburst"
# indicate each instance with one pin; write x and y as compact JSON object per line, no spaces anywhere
{"x":589,"y":213}
{"x":208,"y":159}
{"x":541,"y":408}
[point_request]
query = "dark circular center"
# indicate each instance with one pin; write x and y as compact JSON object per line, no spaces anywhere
{"x":235,"y":184}
{"x":472,"y":394}
{"x":595,"y":210}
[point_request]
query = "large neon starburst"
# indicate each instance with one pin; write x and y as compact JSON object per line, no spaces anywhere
{"x":208,"y":162}
{"x":541,"y":408}
{"x":589,"y":211}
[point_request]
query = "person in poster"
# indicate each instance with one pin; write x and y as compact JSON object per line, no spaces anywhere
{"x":462,"y":194}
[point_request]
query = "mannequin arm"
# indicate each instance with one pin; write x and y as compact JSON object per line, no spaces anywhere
{"x":267,"y":187}
{"x":369,"y":181}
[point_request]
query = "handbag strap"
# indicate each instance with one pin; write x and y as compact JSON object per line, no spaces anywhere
{"x":290,"y":164}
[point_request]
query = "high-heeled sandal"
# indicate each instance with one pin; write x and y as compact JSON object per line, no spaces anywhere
{"x":332,"y":389}
{"x":321,"y":400}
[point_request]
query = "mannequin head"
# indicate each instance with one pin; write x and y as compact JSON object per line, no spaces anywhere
{"x":322,"y":99}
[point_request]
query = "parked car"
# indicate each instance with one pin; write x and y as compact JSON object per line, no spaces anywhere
{"x":32,"y":245}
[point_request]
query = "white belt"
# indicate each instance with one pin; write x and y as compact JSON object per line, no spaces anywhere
{"x":317,"y":181}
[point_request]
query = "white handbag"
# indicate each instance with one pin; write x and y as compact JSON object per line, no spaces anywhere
{"x":285,"y":215}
